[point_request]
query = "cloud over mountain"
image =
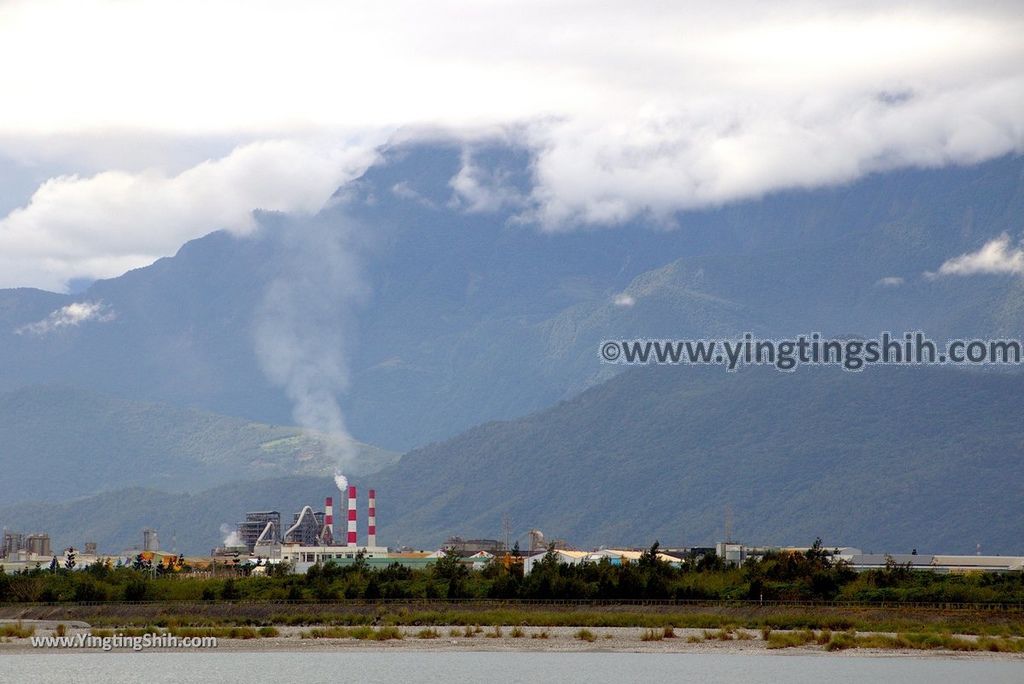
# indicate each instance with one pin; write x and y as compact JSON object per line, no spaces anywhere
{"x":631,"y":110}
{"x":106,"y":224}
{"x":997,"y":256}
{"x":69,"y":316}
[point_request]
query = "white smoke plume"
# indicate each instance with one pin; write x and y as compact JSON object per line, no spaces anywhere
{"x":302,"y":324}
{"x":231,"y":537}
{"x":69,"y":316}
{"x":341,"y":481}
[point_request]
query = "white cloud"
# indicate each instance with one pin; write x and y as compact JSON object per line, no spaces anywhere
{"x":477,"y":189}
{"x":624,"y":300}
{"x":103,"y":225}
{"x":889,"y":281}
{"x":403,"y":190}
{"x":634,"y":109}
{"x":998,"y":256}
{"x":69,"y":316}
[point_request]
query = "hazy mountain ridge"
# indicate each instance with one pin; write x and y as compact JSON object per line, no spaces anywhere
{"x":188,"y":522}
{"x":59,"y":442}
{"x":470,"y":317}
{"x":884,"y":459}
{"x":887,"y":459}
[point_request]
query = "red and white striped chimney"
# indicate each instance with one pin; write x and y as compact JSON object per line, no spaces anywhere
{"x":329,"y":516}
{"x":352,"y":516}
{"x":371,"y":520}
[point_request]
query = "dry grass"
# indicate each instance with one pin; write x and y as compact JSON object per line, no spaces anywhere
{"x":586,"y":635}
{"x":17,"y":631}
{"x":923,"y":642}
{"x":792,"y":639}
{"x":363,"y":633}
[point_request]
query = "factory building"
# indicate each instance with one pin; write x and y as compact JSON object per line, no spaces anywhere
{"x":936,"y":563}
{"x":259,"y":526}
{"x":17,"y":545}
{"x":305,"y":528}
{"x":612,"y":556}
{"x":467,"y":547}
{"x":737,"y":554}
{"x":561,"y":555}
{"x":312,"y":538}
{"x":39,"y":544}
{"x":13,"y":542}
{"x":150,"y":541}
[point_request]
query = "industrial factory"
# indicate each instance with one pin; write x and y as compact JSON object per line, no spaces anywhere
{"x":311,"y":537}
{"x":262,"y":540}
{"x":22,"y":552}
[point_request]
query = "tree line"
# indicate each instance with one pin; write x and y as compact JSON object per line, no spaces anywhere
{"x":809,"y":575}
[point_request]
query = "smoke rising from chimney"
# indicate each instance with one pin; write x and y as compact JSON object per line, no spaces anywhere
{"x":303,"y":321}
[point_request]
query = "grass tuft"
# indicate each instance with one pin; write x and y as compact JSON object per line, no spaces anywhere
{"x":17,"y":631}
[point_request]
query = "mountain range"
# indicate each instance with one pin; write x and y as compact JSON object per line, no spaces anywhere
{"x":882,"y":459}
{"x":469,"y":339}
{"x":66,"y":443}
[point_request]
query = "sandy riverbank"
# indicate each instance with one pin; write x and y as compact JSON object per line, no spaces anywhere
{"x":557,"y":639}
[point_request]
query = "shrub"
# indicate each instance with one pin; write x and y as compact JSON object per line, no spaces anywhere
{"x":790,"y":639}
{"x":16,"y":630}
{"x":388,"y":633}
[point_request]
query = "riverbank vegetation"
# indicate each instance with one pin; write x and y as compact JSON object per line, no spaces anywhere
{"x":799,"y":576}
{"x":791,"y":591}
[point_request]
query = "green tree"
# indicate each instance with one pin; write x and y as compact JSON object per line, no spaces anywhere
{"x":450,"y":566}
{"x":229,"y":592}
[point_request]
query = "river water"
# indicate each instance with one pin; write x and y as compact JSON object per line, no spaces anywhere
{"x":526,"y":667}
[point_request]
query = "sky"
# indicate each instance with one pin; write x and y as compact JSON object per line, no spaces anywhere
{"x":128,"y":128}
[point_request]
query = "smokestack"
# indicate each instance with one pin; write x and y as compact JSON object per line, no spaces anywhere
{"x":329,"y":516}
{"x":371,"y":520}
{"x":352,"y":516}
